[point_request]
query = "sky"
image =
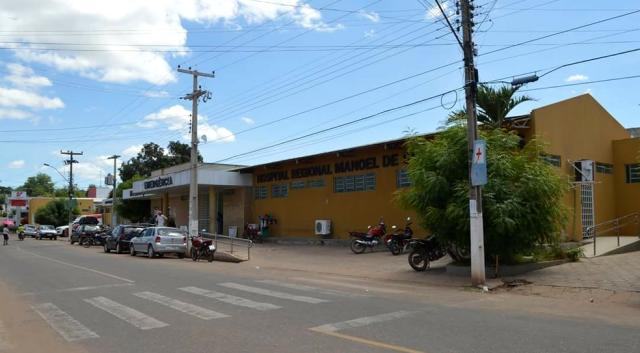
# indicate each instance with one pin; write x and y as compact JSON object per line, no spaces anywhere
{"x":292,"y":77}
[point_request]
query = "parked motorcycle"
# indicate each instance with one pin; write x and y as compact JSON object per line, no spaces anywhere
{"x":201,"y":248}
{"x":400,"y":239}
{"x":253,"y":233}
{"x":97,"y":239}
{"x":423,"y":251}
{"x":374,"y":237}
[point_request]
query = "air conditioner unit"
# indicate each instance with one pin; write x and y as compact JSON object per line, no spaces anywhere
{"x":584,"y":170}
{"x":323,"y":227}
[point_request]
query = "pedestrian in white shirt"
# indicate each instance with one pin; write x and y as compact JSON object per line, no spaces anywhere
{"x":160,"y":218}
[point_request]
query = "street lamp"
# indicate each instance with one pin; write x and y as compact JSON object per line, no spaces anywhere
{"x":70,"y":198}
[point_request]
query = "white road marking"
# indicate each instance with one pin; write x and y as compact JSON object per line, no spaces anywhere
{"x":349,"y":285}
{"x":231,"y":299}
{"x":80,"y":267}
{"x":364,"y":321}
{"x":130,"y":315}
{"x":67,"y":327}
{"x":272,"y":293}
{"x":4,"y":345}
{"x":314,"y":289}
{"x":77,"y":289}
{"x":190,"y":309}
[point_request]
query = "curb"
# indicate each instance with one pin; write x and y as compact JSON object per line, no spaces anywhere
{"x":465,"y":271}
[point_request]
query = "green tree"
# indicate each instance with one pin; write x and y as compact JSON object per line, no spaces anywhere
{"x":493,"y":106}
{"x":521,"y":202}
{"x":39,"y":185}
{"x":153,"y":157}
{"x":55,"y":213}
{"x":134,"y":210}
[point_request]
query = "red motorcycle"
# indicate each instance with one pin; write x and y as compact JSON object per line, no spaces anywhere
{"x":201,"y":248}
{"x":359,"y":241}
{"x":253,"y":233}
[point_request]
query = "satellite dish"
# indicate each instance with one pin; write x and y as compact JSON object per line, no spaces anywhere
{"x":204,"y":138}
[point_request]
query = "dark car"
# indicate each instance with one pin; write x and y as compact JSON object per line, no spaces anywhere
{"x":84,"y":231}
{"x":119,"y":238}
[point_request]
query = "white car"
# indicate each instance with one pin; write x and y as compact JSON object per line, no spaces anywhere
{"x":62,"y":231}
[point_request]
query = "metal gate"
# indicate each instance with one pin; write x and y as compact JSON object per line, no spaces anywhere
{"x":204,"y":216}
{"x":588,"y":214}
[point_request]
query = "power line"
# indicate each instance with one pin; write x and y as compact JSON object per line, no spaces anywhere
{"x":283,"y":82}
{"x":562,"y":32}
{"x":336,"y":74}
{"x":582,"y":83}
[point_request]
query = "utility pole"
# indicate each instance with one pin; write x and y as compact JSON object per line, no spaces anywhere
{"x":475,"y":192}
{"x":113,"y":196}
{"x":193,"y":185}
{"x":70,"y":162}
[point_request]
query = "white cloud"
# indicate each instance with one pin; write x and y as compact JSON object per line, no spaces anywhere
{"x":214,"y":133}
{"x":588,"y":90}
{"x":14,"y":114}
{"x":177,"y":118}
{"x":434,"y":11}
{"x":156,"y":94}
{"x":10,"y":97}
{"x":24,"y":76}
{"x":132,"y":151}
{"x":575,"y":78}
{"x":247,"y":120}
{"x":129,"y":23}
{"x":17,"y":164}
{"x":89,"y":171}
{"x":372,"y":16}
{"x":370,"y":33}
{"x":308,"y":17}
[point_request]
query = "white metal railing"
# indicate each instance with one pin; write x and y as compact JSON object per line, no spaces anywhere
{"x":239,"y":243}
{"x":615,"y":225}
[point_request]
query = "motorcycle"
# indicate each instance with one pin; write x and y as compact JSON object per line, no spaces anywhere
{"x":253,"y":233}
{"x":21,"y":236}
{"x":201,"y":248}
{"x":431,"y":249}
{"x":400,"y":239}
{"x":97,"y":239}
{"x":359,"y":241}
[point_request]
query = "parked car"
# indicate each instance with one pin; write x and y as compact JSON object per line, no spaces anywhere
{"x":159,"y":241}
{"x":62,"y":231}
{"x":119,"y":238}
{"x":30,"y":230}
{"x":84,"y":231}
{"x":46,"y":231}
{"x":90,"y":219}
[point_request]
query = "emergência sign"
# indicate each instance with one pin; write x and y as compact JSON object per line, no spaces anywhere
{"x":158,"y":183}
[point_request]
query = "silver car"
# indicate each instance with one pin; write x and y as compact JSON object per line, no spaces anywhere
{"x":159,"y":241}
{"x":30,"y":230}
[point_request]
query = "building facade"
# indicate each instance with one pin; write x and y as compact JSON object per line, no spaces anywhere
{"x":354,"y":188}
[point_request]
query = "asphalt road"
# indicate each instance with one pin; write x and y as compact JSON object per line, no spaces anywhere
{"x":55,"y":297}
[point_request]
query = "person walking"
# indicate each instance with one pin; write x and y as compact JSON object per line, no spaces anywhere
{"x":5,"y":234}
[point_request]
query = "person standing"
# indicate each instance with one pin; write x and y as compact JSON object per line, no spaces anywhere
{"x":5,"y":234}
{"x":160,"y":219}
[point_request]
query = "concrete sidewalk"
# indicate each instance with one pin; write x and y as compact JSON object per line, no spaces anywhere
{"x":613,"y":279}
{"x":340,"y":260}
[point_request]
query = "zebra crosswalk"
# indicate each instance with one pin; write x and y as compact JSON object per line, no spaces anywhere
{"x":221,"y":297}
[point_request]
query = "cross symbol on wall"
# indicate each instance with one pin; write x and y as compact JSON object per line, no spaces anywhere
{"x":478,"y":155}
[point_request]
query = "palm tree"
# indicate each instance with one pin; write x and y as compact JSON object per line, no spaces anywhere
{"x":493,"y":106}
